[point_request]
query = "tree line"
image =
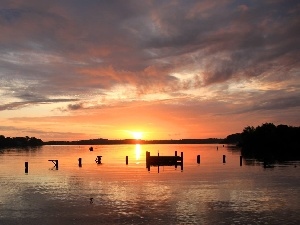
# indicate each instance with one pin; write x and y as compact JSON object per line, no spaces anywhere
{"x":269,"y":141}
{"x":19,"y":141}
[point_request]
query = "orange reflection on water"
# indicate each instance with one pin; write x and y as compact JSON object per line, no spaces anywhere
{"x":137,"y":151}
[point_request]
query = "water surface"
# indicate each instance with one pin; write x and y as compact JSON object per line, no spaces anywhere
{"x":211,"y":192}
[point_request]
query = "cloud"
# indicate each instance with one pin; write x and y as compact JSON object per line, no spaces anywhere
{"x":10,"y":128}
{"x":231,"y":56}
{"x":279,"y":103}
{"x":33,"y":101}
{"x":75,"y":106}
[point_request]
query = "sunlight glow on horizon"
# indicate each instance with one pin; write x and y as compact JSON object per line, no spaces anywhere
{"x":137,"y":135}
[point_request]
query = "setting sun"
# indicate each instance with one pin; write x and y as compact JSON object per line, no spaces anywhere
{"x":137,"y":135}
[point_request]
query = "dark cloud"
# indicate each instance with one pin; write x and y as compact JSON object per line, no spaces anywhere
{"x":68,"y":48}
{"x":75,"y":106}
{"x":277,"y":103}
{"x":267,"y":102}
{"x":33,"y":101}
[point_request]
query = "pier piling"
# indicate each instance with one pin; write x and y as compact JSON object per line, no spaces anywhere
{"x":126,"y":160}
{"x":26,"y":167}
{"x":181,"y":161}
{"x":224,"y":158}
{"x":55,"y":162}
{"x":198,"y":159}
{"x":148,"y":160}
{"x":80,"y":162}
{"x":241,"y":160}
{"x":98,"y":159}
{"x":175,"y":156}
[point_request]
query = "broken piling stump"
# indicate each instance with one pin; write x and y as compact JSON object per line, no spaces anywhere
{"x":55,"y":162}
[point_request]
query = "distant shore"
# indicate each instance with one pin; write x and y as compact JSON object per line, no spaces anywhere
{"x":102,"y":141}
{"x":267,"y":141}
{"x":6,"y":142}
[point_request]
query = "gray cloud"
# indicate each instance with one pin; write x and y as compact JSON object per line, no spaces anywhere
{"x":75,"y":106}
{"x":55,"y":48}
{"x":33,"y":101}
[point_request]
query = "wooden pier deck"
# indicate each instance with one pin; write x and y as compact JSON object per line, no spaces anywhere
{"x":164,"y":160}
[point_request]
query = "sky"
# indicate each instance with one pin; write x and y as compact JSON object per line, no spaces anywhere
{"x":74,"y":70}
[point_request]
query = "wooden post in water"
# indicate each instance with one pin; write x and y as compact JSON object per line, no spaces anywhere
{"x":181,"y":161}
{"x":126,"y":160}
{"x":175,"y":163}
{"x":98,"y":159}
{"x":158,"y":163}
{"x":80,"y":162}
{"x":198,"y":159}
{"x":26,"y":167}
{"x":55,"y":162}
{"x":224,"y":158}
{"x":148,"y":160}
{"x":241,"y":160}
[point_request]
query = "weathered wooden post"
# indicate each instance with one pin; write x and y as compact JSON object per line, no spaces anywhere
{"x":181,"y":161}
{"x":80,"y":162}
{"x":176,"y":162}
{"x":126,"y":160}
{"x":26,"y":167}
{"x":198,"y":159}
{"x":55,"y":162}
{"x":224,"y":158}
{"x":148,"y":160}
{"x":98,"y":159}
{"x":241,"y":160}
{"x":158,"y":162}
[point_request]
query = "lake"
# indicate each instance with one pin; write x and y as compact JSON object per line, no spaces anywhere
{"x":211,"y":192}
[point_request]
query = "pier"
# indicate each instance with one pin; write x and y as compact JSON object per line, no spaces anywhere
{"x":164,"y":160}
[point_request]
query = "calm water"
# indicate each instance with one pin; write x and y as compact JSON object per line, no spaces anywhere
{"x":207,"y":193}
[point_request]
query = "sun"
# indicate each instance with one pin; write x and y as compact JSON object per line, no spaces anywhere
{"x":137,"y":135}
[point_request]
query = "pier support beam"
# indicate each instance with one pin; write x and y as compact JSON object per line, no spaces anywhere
{"x":176,"y":163}
{"x":148,"y":160}
{"x":198,"y":159}
{"x":224,"y":158}
{"x":126,"y":160}
{"x":80,"y":162}
{"x":26,"y":167}
{"x":181,"y":161}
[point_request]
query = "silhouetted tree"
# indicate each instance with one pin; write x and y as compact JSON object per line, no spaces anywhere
{"x":19,"y":141}
{"x":233,"y":139}
{"x":269,"y":141}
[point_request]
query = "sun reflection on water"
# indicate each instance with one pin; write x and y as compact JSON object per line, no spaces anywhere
{"x":137,"y":152}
